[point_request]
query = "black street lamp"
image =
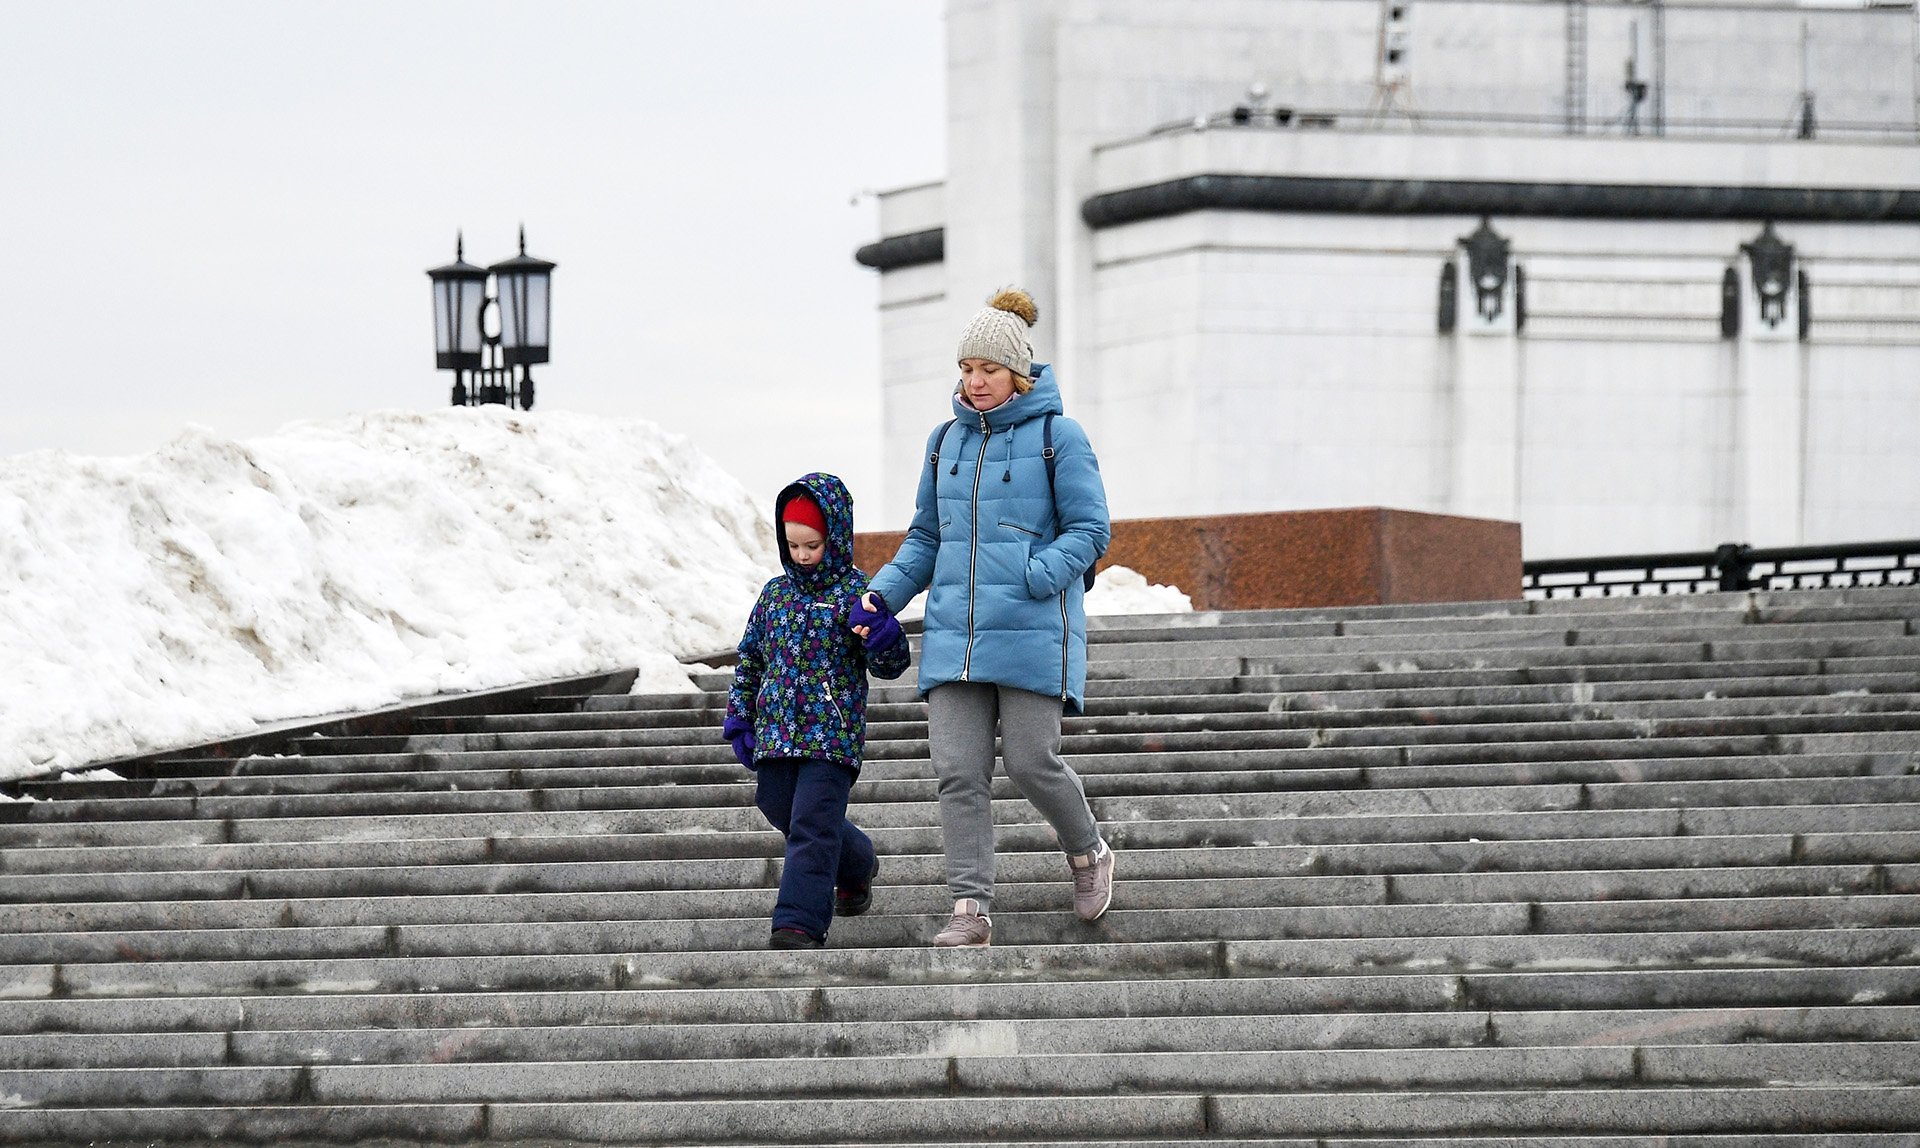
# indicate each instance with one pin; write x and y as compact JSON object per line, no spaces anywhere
{"x":523,"y":297}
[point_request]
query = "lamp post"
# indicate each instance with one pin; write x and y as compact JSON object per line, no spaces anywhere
{"x":522,"y":297}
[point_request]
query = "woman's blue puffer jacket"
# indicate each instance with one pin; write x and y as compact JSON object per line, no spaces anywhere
{"x":1002,"y":560}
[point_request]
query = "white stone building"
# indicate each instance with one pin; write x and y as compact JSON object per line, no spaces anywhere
{"x":1280,"y":310}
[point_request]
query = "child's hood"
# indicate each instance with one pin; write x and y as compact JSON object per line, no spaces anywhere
{"x":836,"y":506}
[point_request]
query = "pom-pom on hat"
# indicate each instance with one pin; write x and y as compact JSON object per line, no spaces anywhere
{"x":806,"y":512}
{"x":999,"y":333}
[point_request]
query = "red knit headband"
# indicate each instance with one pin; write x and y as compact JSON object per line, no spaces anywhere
{"x":803,"y":510}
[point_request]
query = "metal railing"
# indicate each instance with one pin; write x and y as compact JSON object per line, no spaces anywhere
{"x":1730,"y":566}
{"x":1522,"y":124}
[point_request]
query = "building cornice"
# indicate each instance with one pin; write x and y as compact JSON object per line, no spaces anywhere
{"x":911,"y":250}
{"x":1400,"y":196}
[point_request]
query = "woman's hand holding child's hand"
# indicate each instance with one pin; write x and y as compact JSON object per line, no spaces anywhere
{"x":876,"y":625}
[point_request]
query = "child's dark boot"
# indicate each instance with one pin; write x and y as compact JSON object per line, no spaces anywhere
{"x":795,"y":939}
{"x":851,"y":901}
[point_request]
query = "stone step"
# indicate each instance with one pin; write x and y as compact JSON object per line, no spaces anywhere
{"x":682,"y":833}
{"x":1281,"y":712}
{"x":1650,"y":606}
{"x":1824,"y":1108}
{"x":927,"y":895}
{"x":957,"y":1037}
{"x":912,"y":923}
{"x":1229,"y":676}
{"x":1242,"y":626}
{"x":1394,"y":641}
{"x":1180,"y":698}
{"x":717,"y":766}
{"x":1189,"y":772}
{"x":1757,"y":690}
{"x":1173,"y":675}
{"x":1156,"y":664}
{"x":1412,"y":743}
{"x":1756,"y":779}
{"x":979,"y":986}
{"x":455,"y":866}
{"x":984,"y":1076}
{"x":1777,"y":604}
{"x":882,"y":805}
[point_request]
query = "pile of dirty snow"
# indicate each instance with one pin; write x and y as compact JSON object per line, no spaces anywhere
{"x":195,"y":592}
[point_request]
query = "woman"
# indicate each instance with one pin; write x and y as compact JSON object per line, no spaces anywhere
{"x":1009,"y":517}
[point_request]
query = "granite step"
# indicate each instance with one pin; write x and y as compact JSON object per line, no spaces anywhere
{"x":904,"y":779}
{"x":1281,"y":712}
{"x":729,"y":809}
{"x":909,"y":920}
{"x":350,"y":906}
{"x":1783,"y":604}
{"x":1536,"y":665}
{"x":1510,"y":742}
{"x":455,"y":866}
{"x":1229,"y":676}
{"x":1601,"y":635}
{"x":1003,"y":983}
{"x":956,"y":1038}
{"x":981,"y":1076}
{"x":1253,"y":625}
{"x":1821,"y":1108}
{"x":653,"y":834}
{"x":1180,"y":698}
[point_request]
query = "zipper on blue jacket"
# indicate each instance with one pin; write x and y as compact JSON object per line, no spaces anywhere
{"x":826,"y":686}
{"x":1065,"y":638}
{"x":973,"y":545}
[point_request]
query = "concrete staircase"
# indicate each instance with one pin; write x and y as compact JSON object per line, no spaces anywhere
{"x":1624,"y":871}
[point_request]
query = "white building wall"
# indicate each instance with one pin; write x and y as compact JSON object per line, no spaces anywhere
{"x":1244,"y":361}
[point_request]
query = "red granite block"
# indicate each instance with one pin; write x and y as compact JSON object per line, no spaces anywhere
{"x":1360,"y":557}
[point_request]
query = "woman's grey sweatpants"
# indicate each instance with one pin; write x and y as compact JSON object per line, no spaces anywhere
{"x":960,"y":725}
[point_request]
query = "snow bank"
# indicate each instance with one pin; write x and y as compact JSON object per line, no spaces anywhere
{"x":192,"y":593}
{"x":1119,"y":590}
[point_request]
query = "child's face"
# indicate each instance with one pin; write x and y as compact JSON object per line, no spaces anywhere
{"x":986,"y":383}
{"x":805,"y":545}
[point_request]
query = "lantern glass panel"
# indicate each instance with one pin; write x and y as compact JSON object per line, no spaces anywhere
{"x":456,"y":322}
{"x":472,"y":295}
{"x":444,"y":293}
{"x":537,"y":310}
{"x":524,"y":316}
{"x":511,"y":302}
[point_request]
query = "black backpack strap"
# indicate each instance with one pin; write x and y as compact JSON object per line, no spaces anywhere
{"x":1046,"y":452}
{"x":933,"y":460}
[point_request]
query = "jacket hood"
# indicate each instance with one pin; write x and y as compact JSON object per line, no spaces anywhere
{"x":1043,"y":399}
{"x":836,"y":506}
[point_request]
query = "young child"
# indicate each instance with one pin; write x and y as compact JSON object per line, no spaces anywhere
{"x":797,"y":712}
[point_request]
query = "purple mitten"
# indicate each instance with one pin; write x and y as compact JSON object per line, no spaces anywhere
{"x":883,"y":634}
{"x":861,"y":616}
{"x":740,"y":733}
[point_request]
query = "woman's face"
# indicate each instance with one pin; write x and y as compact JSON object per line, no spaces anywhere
{"x":985,"y":383}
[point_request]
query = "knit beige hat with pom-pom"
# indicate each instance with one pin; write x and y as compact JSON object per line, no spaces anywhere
{"x":999,"y":333}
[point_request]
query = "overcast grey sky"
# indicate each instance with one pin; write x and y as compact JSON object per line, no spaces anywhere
{"x":221,"y":211}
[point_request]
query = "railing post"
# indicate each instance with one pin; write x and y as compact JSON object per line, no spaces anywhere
{"x":1735,"y":563}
